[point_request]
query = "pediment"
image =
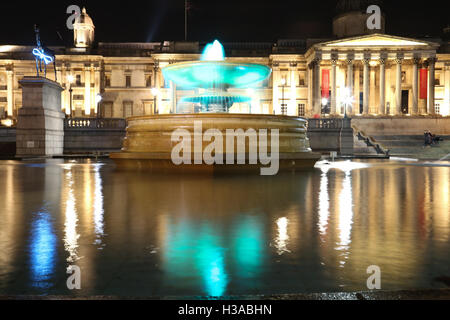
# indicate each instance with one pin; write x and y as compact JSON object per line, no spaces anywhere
{"x":378,"y":40}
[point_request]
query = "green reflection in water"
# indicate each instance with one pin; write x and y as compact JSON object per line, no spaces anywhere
{"x":247,"y":246}
{"x":194,"y":252}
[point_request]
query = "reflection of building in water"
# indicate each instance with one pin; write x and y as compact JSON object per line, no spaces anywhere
{"x":71,"y":221}
{"x":391,"y":209}
{"x":10,"y":218}
{"x":381,"y":70}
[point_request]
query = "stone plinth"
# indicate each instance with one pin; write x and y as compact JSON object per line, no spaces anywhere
{"x":40,"y":125}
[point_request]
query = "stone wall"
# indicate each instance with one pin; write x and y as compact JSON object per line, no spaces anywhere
{"x":402,"y":126}
{"x":91,"y":141}
{"x":92,"y":135}
{"x":7,"y":142}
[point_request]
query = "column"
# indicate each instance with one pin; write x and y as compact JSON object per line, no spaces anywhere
{"x":96,"y":88}
{"x":398,"y":87}
{"x":87,"y":90}
{"x":415,"y":87}
{"x":276,"y":89}
{"x":63,"y":81}
{"x":157,"y":85}
{"x":310,"y":108}
{"x":381,"y":107}
{"x":447,"y":90}
{"x":10,"y":93}
{"x":350,"y":80}
{"x":317,"y":93}
{"x":372,"y":90}
{"x":366,"y":87}
{"x":333,"y":85}
{"x":293,"y":94}
{"x":431,"y":76}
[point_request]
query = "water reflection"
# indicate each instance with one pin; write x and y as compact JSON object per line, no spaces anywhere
{"x":71,"y":219}
{"x":193,"y":251}
{"x":282,"y":240}
{"x":42,"y":250}
{"x":167,"y":235}
{"x":324,"y":203}
{"x":345,"y":217}
{"x":98,"y":205}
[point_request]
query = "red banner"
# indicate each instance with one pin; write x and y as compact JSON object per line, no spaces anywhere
{"x":325,"y":83}
{"x":423,"y":83}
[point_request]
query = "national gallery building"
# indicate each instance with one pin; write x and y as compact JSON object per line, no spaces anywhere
{"x":358,"y":71}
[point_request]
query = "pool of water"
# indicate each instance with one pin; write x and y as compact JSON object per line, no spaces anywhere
{"x":141,"y":234}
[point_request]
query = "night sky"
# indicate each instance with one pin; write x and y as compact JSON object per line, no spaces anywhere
{"x":231,"y":20}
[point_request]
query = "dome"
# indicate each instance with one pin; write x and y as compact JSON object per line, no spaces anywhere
{"x":84,"y":18}
{"x":83,"y":31}
{"x":344,"y":6}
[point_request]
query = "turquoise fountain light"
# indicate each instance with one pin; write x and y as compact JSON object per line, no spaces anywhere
{"x":213,"y":74}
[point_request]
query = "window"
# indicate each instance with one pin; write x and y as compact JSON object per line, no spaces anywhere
{"x":148,"y":81}
{"x":127,"y":109}
{"x":128,"y":81}
{"x":301,"y":109}
{"x":437,"y":108}
{"x":437,"y":80}
{"x":301,"y":79}
{"x":106,"y":109}
{"x":78,"y":80}
{"x":107,"y":81}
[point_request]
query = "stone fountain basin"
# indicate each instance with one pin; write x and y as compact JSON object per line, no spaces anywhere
{"x":148,"y":142}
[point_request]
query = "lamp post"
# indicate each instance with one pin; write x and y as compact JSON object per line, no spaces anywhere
{"x":283,"y":106}
{"x":155,"y":94}
{"x":70,"y":79}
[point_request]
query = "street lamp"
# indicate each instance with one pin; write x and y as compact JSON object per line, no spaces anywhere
{"x":347,"y":100}
{"x":70,"y":79}
{"x":283,"y":105}
{"x":98,"y":99}
{"x":155,"y":93}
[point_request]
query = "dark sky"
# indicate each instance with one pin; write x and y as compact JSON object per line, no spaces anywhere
{"x":227,"y":20}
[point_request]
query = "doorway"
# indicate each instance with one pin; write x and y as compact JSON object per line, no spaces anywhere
{"x":405,"y":101}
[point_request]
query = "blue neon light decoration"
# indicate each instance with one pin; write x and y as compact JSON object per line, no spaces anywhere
{"x":40,"y":54}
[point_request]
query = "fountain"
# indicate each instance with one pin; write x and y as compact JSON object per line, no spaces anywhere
{"x":215,"y":77}
{"x":150,"y":142}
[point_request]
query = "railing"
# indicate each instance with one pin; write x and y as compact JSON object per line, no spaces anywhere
{"x":325,"y":123}
{"x":95,"y":123}
{"x":372,"y":143}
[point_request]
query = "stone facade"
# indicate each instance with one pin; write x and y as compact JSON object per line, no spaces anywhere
{"x":382,"y":72}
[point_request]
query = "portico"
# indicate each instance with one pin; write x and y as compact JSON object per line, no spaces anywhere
{"x":380,"y":71}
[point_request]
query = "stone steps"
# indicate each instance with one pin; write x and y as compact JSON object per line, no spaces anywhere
{"x":412,"y":146}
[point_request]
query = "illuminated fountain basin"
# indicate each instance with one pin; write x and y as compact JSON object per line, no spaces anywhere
{"x":148,"y":143}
